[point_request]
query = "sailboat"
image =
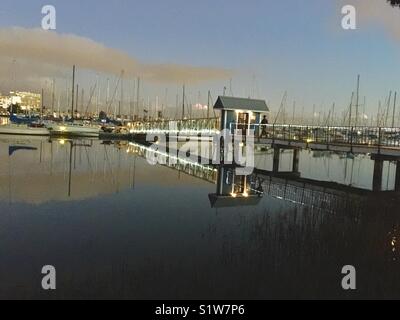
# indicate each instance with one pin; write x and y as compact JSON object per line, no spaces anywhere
{"x":24,"y":126}
{"x":78,"y":129}
{"x":74,"y":129}
{"x":23,"y":129}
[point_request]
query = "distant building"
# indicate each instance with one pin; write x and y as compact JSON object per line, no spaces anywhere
{"x":4,"y":102}
{"x":27,"y":100}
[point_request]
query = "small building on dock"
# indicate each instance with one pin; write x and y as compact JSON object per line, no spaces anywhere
{"x":241,"y":113}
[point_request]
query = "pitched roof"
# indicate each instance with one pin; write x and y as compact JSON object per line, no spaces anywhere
{"x":231,"y":103}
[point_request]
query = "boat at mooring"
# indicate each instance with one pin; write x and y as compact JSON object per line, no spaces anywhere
{"x":73,"y":129}
{"x":24,"y":129}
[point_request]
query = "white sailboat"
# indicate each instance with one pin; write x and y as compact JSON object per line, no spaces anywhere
{"x":74,"y":129}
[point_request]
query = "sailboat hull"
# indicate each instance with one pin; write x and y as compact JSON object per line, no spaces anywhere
{"x":23,"y":130}
{"x":74,"y":130}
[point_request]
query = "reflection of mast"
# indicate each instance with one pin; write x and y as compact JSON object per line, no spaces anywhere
{"x":70,"y":169}
{"x":41,"y":152}
{"x":108,"y":162}
{"x":119,"y":169}
{"x":9,"y":180}
{"x":72,"y":159}
{"x":134,"y":173}
{"x":352,"y":171}
{"x":51,"y":159}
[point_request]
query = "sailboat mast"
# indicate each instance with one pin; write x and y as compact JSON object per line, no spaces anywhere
{"x":183,"y":103}
{"x":82,"y":99}
{"x":121,"y":108}
{"x":387,"y":109}
{"x":138,"y":97}
{"x":108,"y":91}
{"x":208,"y":104}
{"x":53,"y":97}
{"x":42,"y":107}
{"x":357,"y":99}
{"x":351,"y":108}
{"x":394,"y":108}
{"x":59,"y":105}
{"x":98,"y":97}
{"x":77,"y":99}
{"x":73,"y":92}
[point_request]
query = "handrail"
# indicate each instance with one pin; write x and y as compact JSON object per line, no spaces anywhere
{"x":350,"y":135}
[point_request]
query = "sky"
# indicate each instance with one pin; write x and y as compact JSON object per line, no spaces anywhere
{"x":253,"y":48}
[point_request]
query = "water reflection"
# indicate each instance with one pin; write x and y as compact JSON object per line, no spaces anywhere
{"x":234,"y":190}
{"x":116,"y":227}
{"x":38,"y":170}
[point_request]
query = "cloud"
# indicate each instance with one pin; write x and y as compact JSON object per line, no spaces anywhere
{"x":377,"y":12}
{"x":25,"y":75}
{"x":44,"y":51}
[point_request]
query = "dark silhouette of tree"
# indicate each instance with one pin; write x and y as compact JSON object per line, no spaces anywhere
{"x":394,"y":3}
{"x":15,"y":108}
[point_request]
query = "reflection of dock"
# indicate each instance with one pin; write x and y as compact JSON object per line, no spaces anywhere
{"x":234,"y":190}
{"x":378,"y":159}
{"x":329,"y":196}
{"x":317,"y":185}
{"x":191,"y":168}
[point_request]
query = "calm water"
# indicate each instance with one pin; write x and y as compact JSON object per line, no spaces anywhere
{"x":116,"y":227}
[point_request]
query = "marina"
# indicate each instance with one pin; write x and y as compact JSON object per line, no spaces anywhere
{"x":200,"y":159}
{"x":304,"y":178}
{"x":92,"y":184}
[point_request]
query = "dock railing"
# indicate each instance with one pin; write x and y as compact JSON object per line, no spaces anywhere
{"x":360,"y":135}
{"x":195,"y":126}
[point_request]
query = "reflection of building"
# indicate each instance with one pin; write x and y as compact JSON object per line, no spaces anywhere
{"x":234,"y":190}
{"x":27,"y":100}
